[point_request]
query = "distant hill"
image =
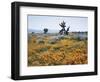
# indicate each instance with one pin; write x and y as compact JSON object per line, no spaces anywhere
{"x":36,"y":31}
{"x":49,"y":31}
{"x":41,"y":31}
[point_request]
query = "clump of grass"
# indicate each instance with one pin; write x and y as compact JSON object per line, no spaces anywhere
{"x":41,"y":42}
{"x":42,"y":49}
{"x":78,"y":39}
{"x":56,"y":48}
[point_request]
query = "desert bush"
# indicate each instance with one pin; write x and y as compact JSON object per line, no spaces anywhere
{"x":78,"y":38}
{"x":56,"y":48}
{"x":40,"y":41}
{"x":42,"y":49}
{"x":52,"y":41}
{"x":62,"y":37}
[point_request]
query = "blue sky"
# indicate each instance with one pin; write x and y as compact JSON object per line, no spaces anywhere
{"x":52,"y":22}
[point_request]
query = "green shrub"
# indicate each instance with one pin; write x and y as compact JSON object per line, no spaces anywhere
{"x":42,"y":49}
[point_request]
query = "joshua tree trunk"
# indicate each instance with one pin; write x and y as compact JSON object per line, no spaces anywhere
{"x":67,"y":30}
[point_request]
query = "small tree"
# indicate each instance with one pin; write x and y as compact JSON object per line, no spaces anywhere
{"x":32,"y":32}
{"x":45,"y":30}
{"x":63,"y":25}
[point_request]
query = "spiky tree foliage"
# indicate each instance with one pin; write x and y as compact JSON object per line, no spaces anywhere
{"x":45,"y":30}
{"x":63,"y":24}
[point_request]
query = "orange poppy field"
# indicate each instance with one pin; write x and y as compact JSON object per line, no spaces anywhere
{"x":46,"y":51}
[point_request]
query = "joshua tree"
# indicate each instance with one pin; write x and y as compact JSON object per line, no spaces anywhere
{"x":63,"y":31}
{"x":45,"y":30}
{"x":63,"y":25}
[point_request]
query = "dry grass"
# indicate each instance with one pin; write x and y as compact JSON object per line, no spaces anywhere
{"x":63,"y":52}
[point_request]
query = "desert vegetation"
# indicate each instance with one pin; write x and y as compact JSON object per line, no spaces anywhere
{"x":54,"y":49}
{"x":62,"y":48}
